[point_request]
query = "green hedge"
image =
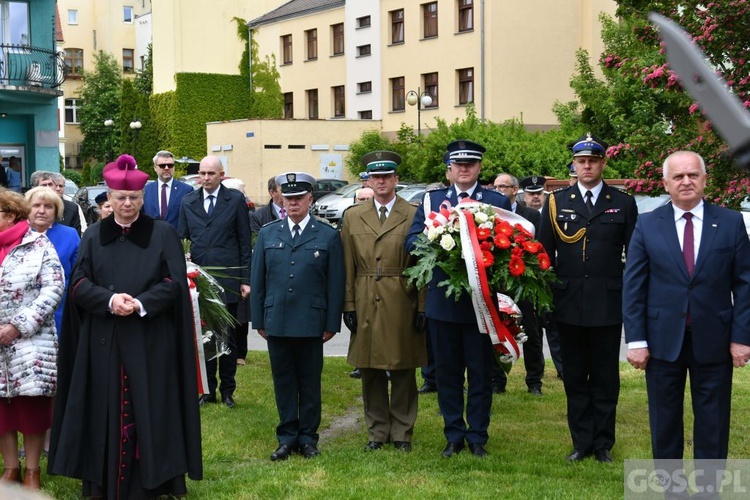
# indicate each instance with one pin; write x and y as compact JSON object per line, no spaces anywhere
{"x":201,"y":98}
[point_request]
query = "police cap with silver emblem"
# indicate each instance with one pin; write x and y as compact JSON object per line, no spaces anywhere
{"x":532,"y":184}
{"x":295,"y":183}
{"x":381,"y":162}
{"x":364,"y":176}
{"x":465,"y":151}
{"x":588,"y":145}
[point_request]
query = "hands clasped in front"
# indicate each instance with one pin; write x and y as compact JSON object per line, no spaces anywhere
{"x":124,"y":304}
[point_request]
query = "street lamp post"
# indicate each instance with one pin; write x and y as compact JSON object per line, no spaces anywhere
{"x":422,"y":100}
{"x":109,"y":123}
{"x":135,"y":126}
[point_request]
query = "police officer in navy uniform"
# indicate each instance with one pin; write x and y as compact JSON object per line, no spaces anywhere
{"x":586,"y":229}
{"x":296,"y":302}
{"x":458,"y":345}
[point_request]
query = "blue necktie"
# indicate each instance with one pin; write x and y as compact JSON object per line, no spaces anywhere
{"x":210,"y":204}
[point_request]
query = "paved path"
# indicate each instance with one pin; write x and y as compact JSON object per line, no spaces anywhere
{"x":339,"y":345}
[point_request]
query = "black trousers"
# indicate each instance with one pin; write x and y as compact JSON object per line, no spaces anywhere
{"x":533,"y":353}
{"x":296,"y":367}
{"x":428,"y":371}
{"x":592,"y":383}
{"x":227,"y":363}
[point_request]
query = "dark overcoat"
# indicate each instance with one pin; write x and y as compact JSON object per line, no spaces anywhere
{"x":156,"y":352}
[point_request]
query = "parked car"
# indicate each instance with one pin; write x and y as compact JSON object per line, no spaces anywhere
{"x":325,"y":186}
{"x":649,"y":203}
{"x":332,"y":206}
{"x":71,"y":188}
{"x":194,"y":180}
{"x":413,"y":193}
{"x":86,"y":199}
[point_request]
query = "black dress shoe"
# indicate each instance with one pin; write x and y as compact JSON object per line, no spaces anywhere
{"x":452,"y":449}
{"x":603,"y":456}
{"x":228,"y":401}
{"x":281,"y":453}
{"x":498,"y":388}
{"x":373,"y":445}
{"x":536,"y":391}
{"x":478,"y":450}
{"x":426,"y":388}
{"x":578,"y":455}
{"x":355,"y":373}
{"x":402,"y":446}
{"x":206,"y":398}
{"x":309,"y":450}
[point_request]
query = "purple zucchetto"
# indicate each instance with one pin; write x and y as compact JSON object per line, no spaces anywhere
{"x":123,"y":175}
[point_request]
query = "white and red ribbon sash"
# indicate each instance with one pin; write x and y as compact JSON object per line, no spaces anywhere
{"x":488,"y":318}
{"x":200,"y":357}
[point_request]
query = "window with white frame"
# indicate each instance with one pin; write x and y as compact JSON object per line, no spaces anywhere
{"x":14,"y":23}
{"x":72,"y":16}
{"x":127,"y":14}
{"x":71,"y":110}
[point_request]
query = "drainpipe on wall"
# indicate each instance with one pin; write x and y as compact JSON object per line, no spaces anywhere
{"x":250,"y":58}
{"x":482,"y":65}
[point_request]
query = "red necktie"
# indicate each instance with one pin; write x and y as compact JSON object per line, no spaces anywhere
{"x":688,"y":244}
{"x":164,"y":200}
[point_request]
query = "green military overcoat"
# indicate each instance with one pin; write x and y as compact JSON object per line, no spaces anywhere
{"x":386,"y":305}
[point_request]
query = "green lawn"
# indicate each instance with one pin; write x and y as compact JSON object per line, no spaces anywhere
{"x":528,"y":442}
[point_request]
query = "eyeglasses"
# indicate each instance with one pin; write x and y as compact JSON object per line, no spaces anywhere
{"x":122,"y":199}
{"x":165,"y":165}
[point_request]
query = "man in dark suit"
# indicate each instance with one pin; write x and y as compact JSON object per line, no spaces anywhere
{"x":274,"y":210}
{"x":533,"y":354}
{"x":585,"y":230}
{"x":71,"y":211}
{"x":297,"y":299}
{"x":688,"y":266}
{"x":161,"y":199}
{"x":456,"y":341}
{"x":215,"y":220}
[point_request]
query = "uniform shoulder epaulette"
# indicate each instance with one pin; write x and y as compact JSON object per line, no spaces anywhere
{"x":560,"y":189}
{"x":325,"y":222}
{"x":271,"y":222}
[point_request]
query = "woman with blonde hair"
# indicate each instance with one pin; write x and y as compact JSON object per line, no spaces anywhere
{"x":31,"y":286}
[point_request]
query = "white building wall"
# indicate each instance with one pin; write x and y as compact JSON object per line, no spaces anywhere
{"x":363,"y":69}
{"x":142,"y":38}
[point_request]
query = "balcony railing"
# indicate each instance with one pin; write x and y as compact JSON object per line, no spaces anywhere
{"x":26,"y":66}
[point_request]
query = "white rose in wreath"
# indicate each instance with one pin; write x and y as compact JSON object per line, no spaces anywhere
{"x":447,"y":242}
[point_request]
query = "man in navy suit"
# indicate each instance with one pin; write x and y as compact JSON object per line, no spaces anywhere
{"x":688,"y":265}
{"x":215,"y":220}
{"x":458,"y":345}
{"x":161,"y":199}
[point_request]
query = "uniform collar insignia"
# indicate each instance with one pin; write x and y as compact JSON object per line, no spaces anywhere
{"x":479,"y":195}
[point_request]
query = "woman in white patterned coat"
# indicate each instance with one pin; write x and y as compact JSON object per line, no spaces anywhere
{"x":31,"y":286}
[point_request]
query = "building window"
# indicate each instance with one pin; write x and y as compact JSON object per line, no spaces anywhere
{"x":363,"y":22}
{"x":397,"y":26}
{"x":398,"y":96}
{"x":128,"y":60}
{"x":363,"y":50}
{"x":72,"y":16}
{"x":339,"y":102}
{"x":364,"y":87}
{"x":365,"y":115}
{"x":431,"y":87}
{"x":286,"y":49}
{"x":465,"y":85}
{"x":74,"y":62}
{"x":71,"y":110}
{"x":430,"y":16}
{"x":465,"y":15}
{"x":337,"y":31}
{"x":127,"y":14}
{"x":288,"y":105}
{"x":14,"y":25}
{"x":312,"y":104}
{"x":311,"y":37}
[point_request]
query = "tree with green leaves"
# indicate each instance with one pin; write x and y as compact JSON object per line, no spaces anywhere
{"x":268,"y":101}
{"x":639,"y":106}
{"x":144,"y":78}
{"x":100,"y":94}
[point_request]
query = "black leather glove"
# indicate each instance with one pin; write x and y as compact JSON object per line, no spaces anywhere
{"x":350,"y":320}
{"x":420,"y":322}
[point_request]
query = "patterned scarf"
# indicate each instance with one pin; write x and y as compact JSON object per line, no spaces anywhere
{"x":11,"y":237}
